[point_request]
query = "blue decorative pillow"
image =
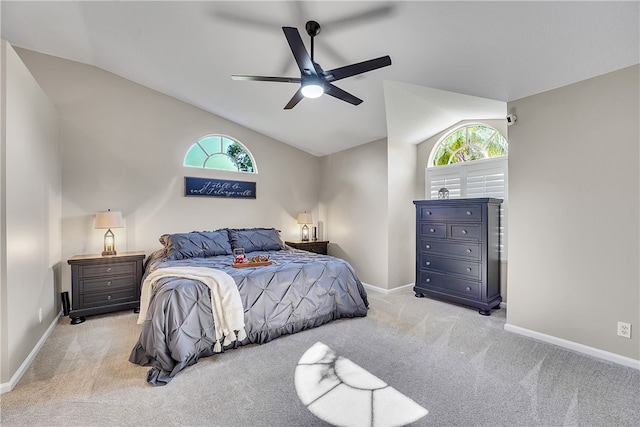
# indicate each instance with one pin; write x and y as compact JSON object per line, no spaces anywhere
{"x":197,"y":244}
{"x":255,"y":239}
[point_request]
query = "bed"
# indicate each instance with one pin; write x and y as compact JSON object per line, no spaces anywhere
{"x":299,"y":290}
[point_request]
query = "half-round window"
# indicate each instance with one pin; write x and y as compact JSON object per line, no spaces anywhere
{"x":220,"y":152}
{"x":468,"y":143}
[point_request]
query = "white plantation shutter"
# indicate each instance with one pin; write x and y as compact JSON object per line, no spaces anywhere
{"x":479,"y":178}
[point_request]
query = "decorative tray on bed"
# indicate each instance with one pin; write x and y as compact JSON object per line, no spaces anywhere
{"x":240,"y":261}
{"x":251,"y":264}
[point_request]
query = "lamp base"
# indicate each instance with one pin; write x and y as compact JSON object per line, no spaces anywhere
{"x":105,"y":253}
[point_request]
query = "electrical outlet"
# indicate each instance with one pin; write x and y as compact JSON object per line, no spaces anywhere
{"x":624,"y":329}
{"x":40,"y":315}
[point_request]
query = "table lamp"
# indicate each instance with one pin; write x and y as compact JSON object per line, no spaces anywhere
{"x":109,"y":219}
{"x":304,"y":218}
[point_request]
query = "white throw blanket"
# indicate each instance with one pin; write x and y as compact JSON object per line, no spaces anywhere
{"x":226,"y":305}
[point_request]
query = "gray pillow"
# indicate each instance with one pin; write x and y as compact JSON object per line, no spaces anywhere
{"x":197,"y":244}
{"x":255,"y":239}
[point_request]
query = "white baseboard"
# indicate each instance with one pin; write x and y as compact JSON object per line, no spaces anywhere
{"x":377,"y":289}
{"x":580,"y":348}
{"x":13,"y":382}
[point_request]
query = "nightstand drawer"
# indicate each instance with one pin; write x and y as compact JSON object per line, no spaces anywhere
{"x":315,"y":246}
{"x":104,"y":283}
{"x":99,"y":299}
{"x":103,"y":270}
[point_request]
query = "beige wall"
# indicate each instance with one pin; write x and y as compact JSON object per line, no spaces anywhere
{"x":30,"y":255}
{"x":574,"y":189}
{"x":123,"y":148}
{"x":354,"y":197}
{"x":402,"y":214}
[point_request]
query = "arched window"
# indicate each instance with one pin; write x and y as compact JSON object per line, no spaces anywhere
{"x":220,"y":152}
{"x":471,"y":161}
{"x":468,"y":143}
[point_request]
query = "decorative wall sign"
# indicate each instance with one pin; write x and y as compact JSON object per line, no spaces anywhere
{"x":210,"y":187}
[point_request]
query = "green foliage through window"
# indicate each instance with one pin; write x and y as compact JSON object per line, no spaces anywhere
{"x":219,"y":152}
{"x":468,"y":143}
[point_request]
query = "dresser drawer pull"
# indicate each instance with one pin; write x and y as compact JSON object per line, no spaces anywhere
{"x":428,"y":263}
{"x":109,"y":283}
{"x":428,"y":280}
{"x":468,"y":288}
{"x":469,"y":269}
{"x":464,"y":231}
{"x":433,"y":230}
{"x":468,"y":251}
{"x":428,"y":246}
{"x":468,"y":212}
{"x":109,"y":297}
{"x":428,"y":212}
{"x":108,"y":269}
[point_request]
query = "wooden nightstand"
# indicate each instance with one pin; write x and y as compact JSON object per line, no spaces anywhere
{"x":317,"y":246}
{"x":102,"y":284}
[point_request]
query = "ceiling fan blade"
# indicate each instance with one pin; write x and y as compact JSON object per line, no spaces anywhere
{"x":268,"y":79}
{"x":297,"y":97}
{"x":336,"y":92}
{"x":299,"y":51}
{"x":359,"y":68}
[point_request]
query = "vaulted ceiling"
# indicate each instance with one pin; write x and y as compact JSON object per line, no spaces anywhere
{"x":451,"y":60}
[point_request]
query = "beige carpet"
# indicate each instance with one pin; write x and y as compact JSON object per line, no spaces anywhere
{"x":463,"y":368}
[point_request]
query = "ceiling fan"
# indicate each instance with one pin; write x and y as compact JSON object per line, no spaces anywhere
{"x":313,"y":80}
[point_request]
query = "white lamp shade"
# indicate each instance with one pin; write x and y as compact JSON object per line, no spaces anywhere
{"x":109,"y":219}
{"x":304,"y":218}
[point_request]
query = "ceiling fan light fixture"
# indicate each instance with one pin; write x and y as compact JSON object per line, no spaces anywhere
{"x":312,"y":90}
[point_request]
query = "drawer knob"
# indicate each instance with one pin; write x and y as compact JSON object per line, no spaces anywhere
{"x":464,"y":231}
{"x":109,"y":297}
{"x":468,"y":268}
{"x":468,"y":251}
{"x":428,"y":212}
{"x":109,"y":283}
{"x":468,"y":212}
{"x":468,"y":288}
{"x":428,"y":246}
{"x":108,"y":269}
{"x":433,"y":230}
{"x":428,"y":263}
{"x":428,"y":280}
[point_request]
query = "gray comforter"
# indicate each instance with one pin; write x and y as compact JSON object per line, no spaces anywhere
{"x":301,"y":290}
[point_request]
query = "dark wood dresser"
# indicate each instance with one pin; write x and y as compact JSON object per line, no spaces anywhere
{"x":458,"y":251}
{"x":317,"y":246}
{"x":102,"y":284}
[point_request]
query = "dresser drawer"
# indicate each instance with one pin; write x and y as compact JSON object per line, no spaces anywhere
{"x":465,"y":231}
{"x":468,"y":250}
{"x":105,"y":284}
{"x":468,"y":269}
{"x":438,"y":230}
{"x":445,"y":213}
{"x":104,"y":270}
{"x":98,"y":299}
{"x":449,"y":285}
